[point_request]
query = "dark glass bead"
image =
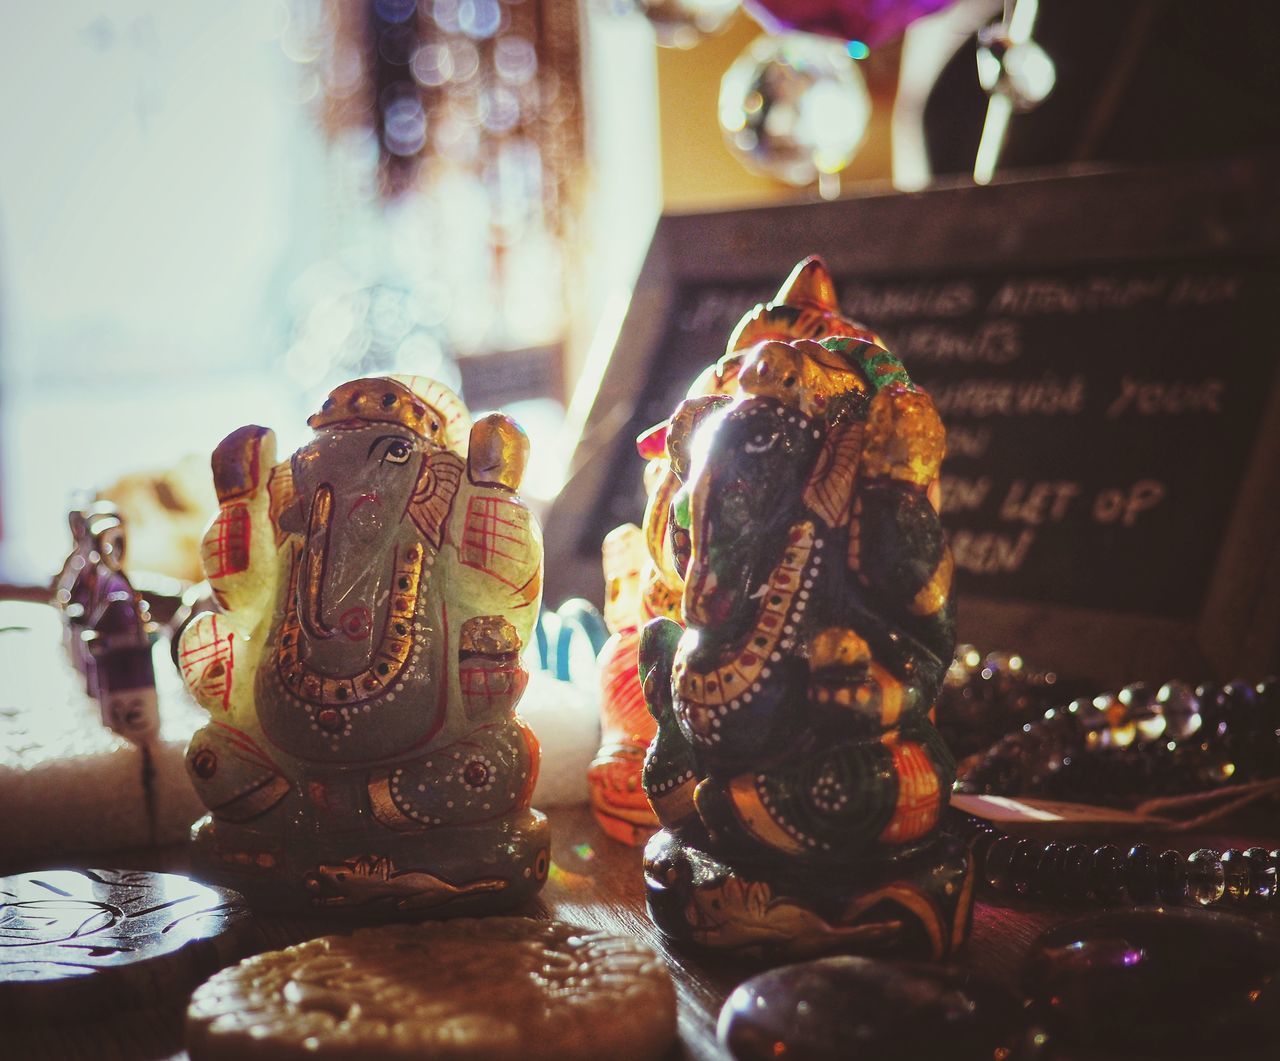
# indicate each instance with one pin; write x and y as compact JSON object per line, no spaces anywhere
{"x":1181,"y":709}
{"x":1262,"y":874}
{"x":982,"y":841}
{"x":1022,"y":866}
{"x":1076,"y":865}
{"x":1269,"y":702}
{"x":996,"y":868}
{"x":1108,"y":870}
{"x":1140,"y":873}
{"x":1236,"y":873}
{"x":1213,"y":709}
{"x":1171,"y":876}
{"x":1048,"y":875}
{"x":1242,"y":706}
{"x":1136,"y":695}
{"x":1206,"y":879}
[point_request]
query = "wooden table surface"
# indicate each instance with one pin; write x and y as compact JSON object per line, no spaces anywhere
{"x":593,"y":882}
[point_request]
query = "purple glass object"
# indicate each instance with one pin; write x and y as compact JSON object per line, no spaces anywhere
{"x":107,"y":625}
{"x":872,"y":22}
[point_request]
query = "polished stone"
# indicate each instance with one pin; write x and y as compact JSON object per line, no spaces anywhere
{"x":1158,"y":979}
{"x":82,"y":943}
{"x":859,"y":1008}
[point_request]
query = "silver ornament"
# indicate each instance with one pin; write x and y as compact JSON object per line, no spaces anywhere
{"x":1021,"y":70}
{"x":795,"y":107}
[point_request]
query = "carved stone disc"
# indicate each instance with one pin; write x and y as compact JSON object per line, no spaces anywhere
{"x":496,"y":987}
{"x":80,"y":943}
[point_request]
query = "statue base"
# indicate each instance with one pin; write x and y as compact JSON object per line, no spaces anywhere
{"x":373,"y":873}
{"x":917,"y":906}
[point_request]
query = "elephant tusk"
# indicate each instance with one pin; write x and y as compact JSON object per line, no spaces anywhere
{"x":317,"y":551}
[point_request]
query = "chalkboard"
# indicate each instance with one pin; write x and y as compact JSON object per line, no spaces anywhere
{"x":1100,"y":349}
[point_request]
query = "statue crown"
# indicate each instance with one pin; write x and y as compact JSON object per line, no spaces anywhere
{"x":380,"y":399}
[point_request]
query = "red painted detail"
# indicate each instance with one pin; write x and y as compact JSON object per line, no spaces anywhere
{"x":207,"y":660}
{"x":496,"y":538}
{"x":226,"y":548}
{"x":652,"y":444}
{"x":355,"y":623}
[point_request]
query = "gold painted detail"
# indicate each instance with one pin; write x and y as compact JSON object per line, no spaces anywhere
{"x":891,"y":695}
{"x":933,"y":594}
{"x":838,"y":646}
{"x":740,"y":914}
{"x":498,"y":453}
{"x":728,"y":682}
{"x":802,"y":374}
{"x":919,"y":796}
{"x":488,"y":635}
{"x":655,"y":523}
{"x":369,"y":878}
{"x":434,"y":493}
{"x":913,"y":901}
{"x":905,"y":437}
{"x":805,"y":307}
{"x":384,"y":808}
{"x":383,"y":400}
{"x":755,"y":817}
{"x":659,"y":599}
{"x":317,"y":547}
{"x":388,"y":659}
{"x":281,"y":497}
{"x":685,"y":421}
{"x":830,"y":487}
{"x":676,"y":805}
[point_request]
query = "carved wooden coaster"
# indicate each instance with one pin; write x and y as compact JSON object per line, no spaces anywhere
{"x":85,"y":943}
{"x":468,"y":988}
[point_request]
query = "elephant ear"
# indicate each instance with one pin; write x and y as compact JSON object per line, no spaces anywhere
{"x":283,"y":505}
{"x":689,"y":415}
{"x":432,"y":499}
{"x":830,"y":486}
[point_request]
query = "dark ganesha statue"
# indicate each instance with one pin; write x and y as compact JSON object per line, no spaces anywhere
{"x":796,"y":772}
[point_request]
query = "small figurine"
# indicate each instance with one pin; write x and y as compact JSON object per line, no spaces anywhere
{"x":626,"y":727}
{"x":107,"y":626}
{"x":376,"y":590}
{"x":795,"y":771}
{"x":805,"y":307}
